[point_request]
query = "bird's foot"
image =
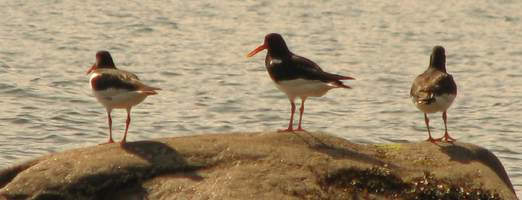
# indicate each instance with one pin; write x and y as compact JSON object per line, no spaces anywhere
{"x":433,"y":140}
{"x":110,"y":141}
{"x":288,"y":130}
{"x":123,"y":143}
{"x":448,"y":138}
{"x":300,"y":129}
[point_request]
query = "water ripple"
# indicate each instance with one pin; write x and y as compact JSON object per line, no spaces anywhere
{"x":195,"y":52}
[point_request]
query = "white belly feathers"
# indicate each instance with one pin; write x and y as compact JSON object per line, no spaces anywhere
{"x":302,"y":87}
{"x":117,"y":98}
{"x":441,"y":104}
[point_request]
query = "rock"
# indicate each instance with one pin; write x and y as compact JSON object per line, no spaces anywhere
{"x":261,"y":166}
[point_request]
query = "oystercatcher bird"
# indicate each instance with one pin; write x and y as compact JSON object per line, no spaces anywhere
{"x":296,"y":76}
{"x":115,"y":88}
{"x":434,"y":91}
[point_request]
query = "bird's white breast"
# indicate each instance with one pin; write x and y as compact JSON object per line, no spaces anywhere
{"x":275,"y":61}
{"x":441,"y":104}
{"x":304,"y":88}
{"x":93,"y":75}
{"x":117,"y":98}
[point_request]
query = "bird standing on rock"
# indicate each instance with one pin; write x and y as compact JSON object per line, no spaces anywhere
{"x":434,"y":91}
{"x":115,"y":88}
{"x":296,"y":76}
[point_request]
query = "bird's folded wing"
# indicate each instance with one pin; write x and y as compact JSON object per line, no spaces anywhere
{"x":425,"y":88}
{"x":311,"y":70}
{"x":444,"y":85}
{"x":117,"y":79}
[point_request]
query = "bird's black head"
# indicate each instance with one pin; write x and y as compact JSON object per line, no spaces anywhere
{"x":438,"y":58}
{"x":104,"y":60}
{"x":275,"y":45}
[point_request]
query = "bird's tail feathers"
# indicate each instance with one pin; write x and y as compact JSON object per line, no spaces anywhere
{"x":340,"y":77}
{"x":425,"y":98}
{"x":149,"y":90}
{"x":345,"y":77}
{"x":339,"y":84}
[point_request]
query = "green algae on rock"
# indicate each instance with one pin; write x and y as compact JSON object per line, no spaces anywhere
{"x":379,"y":181}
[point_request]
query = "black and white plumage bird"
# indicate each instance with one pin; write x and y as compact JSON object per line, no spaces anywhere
{"x":296,"y":76}
{"x":434,"y":91}
{"x":115,"y":88}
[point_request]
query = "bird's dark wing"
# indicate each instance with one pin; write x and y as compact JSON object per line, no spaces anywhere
{"x":305,"y":64}
{"x":445,"y":85}
{"x":300,"y":67}
{"x":430,"y":84}
{"x":118,"y":79}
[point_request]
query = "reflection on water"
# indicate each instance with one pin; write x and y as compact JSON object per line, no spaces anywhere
{"x":195,"y":52}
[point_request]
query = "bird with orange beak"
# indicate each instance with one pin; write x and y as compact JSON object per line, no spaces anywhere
{"x":296,"y":76}
{"x":115,"y":88}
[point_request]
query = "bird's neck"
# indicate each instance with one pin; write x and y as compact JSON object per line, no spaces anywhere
{"x":281,"y":55}
{"x":438,"y":62}
{"x":106,"y":67}
{"x":439,"y":67}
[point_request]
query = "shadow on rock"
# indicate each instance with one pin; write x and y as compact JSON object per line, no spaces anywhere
{"x":339,"y":152}
{"x":125,"y":181}
{"x":166,"y":160}
{"x":466,"y":153}
{"x":8,"y":174}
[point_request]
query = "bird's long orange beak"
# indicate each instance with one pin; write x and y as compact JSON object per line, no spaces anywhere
{"x":93,"y":67}
{"x":257,"y":50}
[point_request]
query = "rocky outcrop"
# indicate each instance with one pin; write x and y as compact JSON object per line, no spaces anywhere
{"x":261,"y":166}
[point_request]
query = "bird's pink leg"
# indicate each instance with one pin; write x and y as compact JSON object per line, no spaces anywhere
{"x":427,"y":121}
{"x":127,"y":123}
{"x":446,"y":137}
{"x":109,"y":120}
{"x":290,"y":124}
{"x":301,"y":111}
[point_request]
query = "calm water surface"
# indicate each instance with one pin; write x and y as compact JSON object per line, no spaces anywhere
{"x":195,"y":52}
